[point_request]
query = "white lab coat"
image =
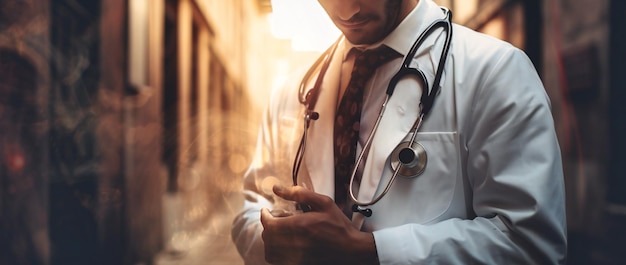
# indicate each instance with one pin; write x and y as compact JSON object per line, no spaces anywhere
{"x":492,"y":191}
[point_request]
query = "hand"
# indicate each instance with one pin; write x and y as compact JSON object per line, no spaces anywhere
{"x":322,"y":236}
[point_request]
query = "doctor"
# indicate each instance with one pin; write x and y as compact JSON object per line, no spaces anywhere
{"x":492,"y":188}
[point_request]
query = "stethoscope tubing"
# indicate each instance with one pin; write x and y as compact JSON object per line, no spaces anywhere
{"x":406,"y":70}
{"x":309,"y":100}
{"x":428,"y":95}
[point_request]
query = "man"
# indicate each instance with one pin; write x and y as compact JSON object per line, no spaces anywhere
{"x":492,"y":189}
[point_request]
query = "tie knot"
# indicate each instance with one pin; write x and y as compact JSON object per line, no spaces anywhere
{"x":367,"y":61}
{"x":376,"y":57}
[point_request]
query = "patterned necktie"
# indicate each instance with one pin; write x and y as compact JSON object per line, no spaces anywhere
{"x":347,"y":120}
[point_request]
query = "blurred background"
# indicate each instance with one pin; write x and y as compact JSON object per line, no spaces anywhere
{"x":125,"y":125}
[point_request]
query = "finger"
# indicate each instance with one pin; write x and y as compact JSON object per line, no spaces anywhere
{"x":266,"y":217}
{"x":304,"y":196}
{"x":284,"y":255}
{"x":269,"y":228}
{"x":281,"y":213}
{"x":275,"y":222}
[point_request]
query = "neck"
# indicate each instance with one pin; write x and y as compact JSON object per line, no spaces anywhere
{"x":406,"y":7}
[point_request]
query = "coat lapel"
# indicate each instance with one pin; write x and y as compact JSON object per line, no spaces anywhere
{"x":319,"y":155}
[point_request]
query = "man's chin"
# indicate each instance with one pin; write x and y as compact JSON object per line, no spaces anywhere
{"x":361,"y":38}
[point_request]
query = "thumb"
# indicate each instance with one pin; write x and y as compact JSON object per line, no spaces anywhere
{"x":266,"y":217}
{"x":303,"y":196}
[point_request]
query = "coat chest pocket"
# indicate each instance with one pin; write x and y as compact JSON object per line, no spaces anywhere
{"x":424,"y":198}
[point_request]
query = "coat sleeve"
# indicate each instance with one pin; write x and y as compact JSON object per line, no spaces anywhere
{"x":271,"y":165}
{"x":246,"y":229}
{"x":513,"y":167}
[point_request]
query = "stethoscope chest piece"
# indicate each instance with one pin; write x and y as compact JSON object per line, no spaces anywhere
{"x":411,"y":158}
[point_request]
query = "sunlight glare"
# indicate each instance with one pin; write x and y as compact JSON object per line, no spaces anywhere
{"x":304,"y":22}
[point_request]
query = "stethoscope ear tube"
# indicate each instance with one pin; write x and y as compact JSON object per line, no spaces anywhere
{"x":404,"y":71}
{"x":309,"y":99}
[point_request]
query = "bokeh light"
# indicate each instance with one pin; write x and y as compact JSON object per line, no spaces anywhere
{"x":16,"y":162}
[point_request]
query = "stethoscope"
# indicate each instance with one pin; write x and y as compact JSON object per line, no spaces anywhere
{"x":409,"y":158}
